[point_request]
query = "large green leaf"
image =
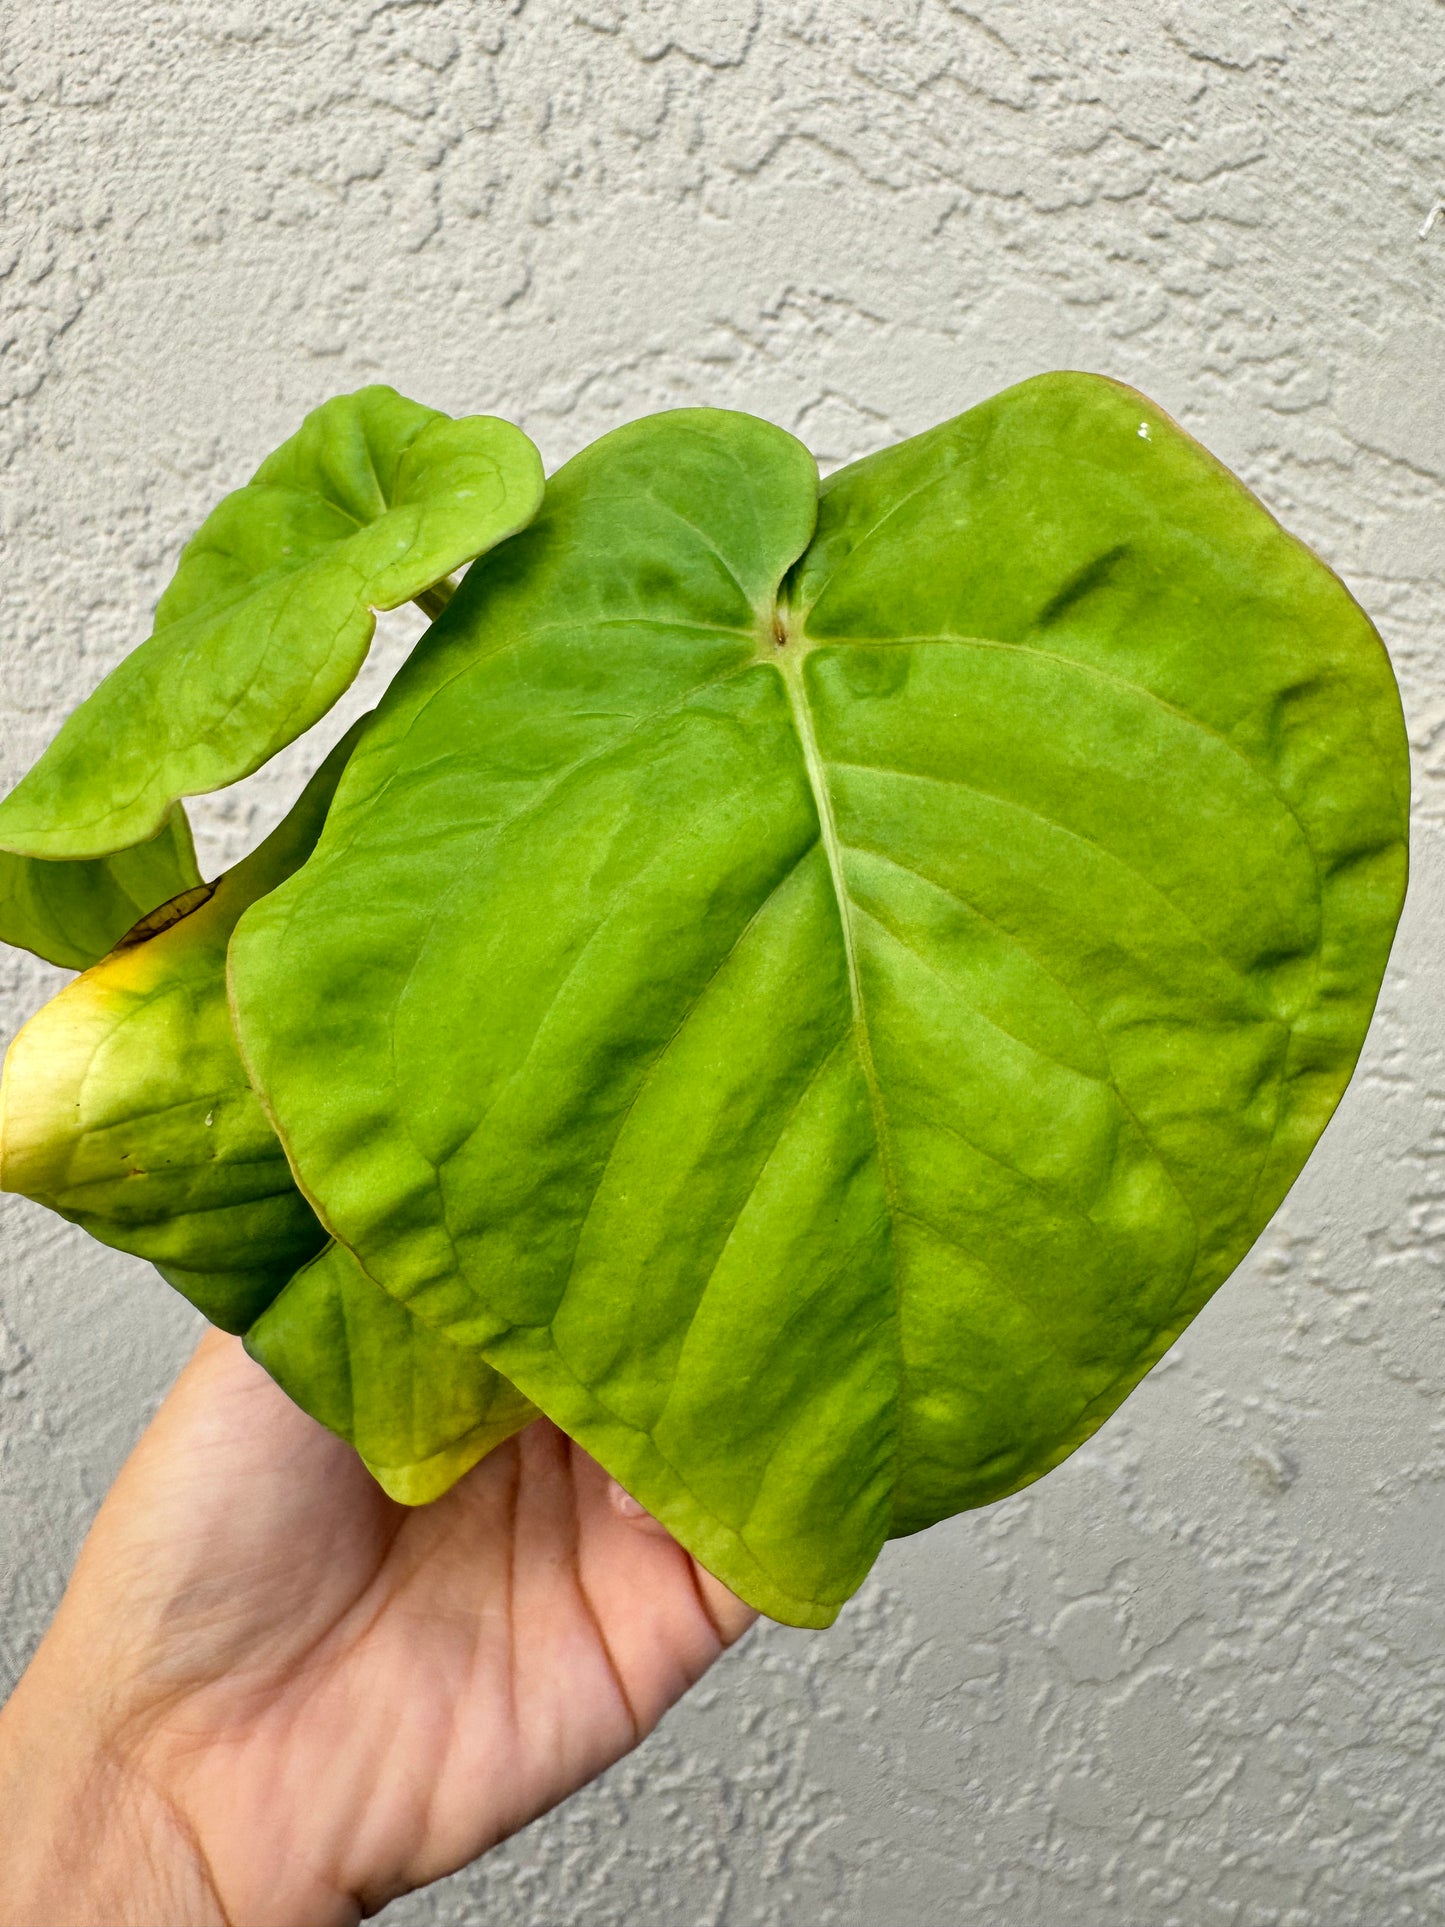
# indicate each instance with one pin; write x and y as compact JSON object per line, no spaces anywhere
{"x":73,"y":913}
{"x":419,"y":1410}
{"x":124,"y":1105}
{"x":373,"y":502}
{"x":820,"y":1009}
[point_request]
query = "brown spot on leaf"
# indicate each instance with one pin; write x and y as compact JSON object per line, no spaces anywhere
{"x":164,"y":915}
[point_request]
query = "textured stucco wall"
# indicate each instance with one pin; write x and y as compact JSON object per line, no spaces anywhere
{"x":1195,"y":1676}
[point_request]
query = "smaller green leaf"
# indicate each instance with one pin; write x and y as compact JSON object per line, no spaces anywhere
{"x":374,"y":502}
{"x":72,"y":913}
{"x":124,"y":1105}
{"x":420,"y":1410}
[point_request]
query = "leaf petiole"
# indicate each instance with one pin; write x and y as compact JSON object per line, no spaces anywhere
{"x":432,"y":601}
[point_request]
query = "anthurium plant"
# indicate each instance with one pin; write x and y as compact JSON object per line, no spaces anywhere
{"x":810,"y":986}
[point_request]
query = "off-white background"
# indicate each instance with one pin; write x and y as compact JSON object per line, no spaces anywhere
{"x":1194,"y":1677}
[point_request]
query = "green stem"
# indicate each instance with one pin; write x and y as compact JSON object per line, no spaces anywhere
{"x":432,"y":601}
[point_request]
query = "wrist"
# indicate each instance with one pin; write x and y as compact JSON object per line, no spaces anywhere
{"x":90,"y":1840}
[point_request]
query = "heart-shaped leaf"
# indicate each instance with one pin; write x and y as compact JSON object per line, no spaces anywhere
{"x":73,"y":913}
{"x":823,"y":1045}
{"x":821,"y":1008}
{"x":373,"y":502}
{"x":419,"y":1410}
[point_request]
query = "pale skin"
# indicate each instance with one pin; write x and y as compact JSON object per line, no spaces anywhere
{"x":273,"y":1698}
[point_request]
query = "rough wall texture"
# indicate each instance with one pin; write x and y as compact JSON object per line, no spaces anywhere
{"x":1195,"y":1676}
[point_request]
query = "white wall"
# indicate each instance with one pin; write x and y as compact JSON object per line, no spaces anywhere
{"x":1194,"y":1677}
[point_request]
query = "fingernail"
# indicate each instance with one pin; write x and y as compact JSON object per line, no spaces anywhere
{"x":623,"y":1500}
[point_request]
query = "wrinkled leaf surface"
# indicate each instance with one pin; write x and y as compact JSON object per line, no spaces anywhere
{"x":419,"y":1410}
{"x":821,"y":1007}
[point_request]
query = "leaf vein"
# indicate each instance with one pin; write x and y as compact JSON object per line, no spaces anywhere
{"x":1064,"y":829}
{"x":1134,"y":688}
{"x":694,"y":1004}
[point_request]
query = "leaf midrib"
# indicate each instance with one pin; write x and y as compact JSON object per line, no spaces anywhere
{"x":790,"y":662}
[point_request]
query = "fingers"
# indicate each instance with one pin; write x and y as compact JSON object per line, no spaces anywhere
{"x":729,"y":1615}
{"x":633,"y":1510}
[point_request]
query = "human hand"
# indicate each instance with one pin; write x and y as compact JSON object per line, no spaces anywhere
{"x":273,"y":1696}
